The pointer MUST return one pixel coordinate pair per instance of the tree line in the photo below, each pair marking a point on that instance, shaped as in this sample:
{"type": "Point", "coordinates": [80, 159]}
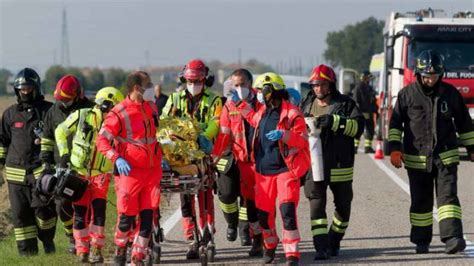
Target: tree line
{"type": "Point", "coordinates": [351, 47]}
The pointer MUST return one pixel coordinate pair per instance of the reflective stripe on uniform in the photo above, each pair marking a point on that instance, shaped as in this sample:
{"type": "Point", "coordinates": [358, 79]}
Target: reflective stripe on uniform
{"type": "Point", "coordinates": [338, 225]}
{"type": "Point", "coordinates": [319, 231]}
{"type": "Point", "coordinates": [351, 128]}
{"type": "Point", "coordinates": [341, 174]}
{"type": "Point", "coordinates": [15, 174]}
{"type": "Point", "coordinates": [335, 123]}
{"type": "Point", "coordinates": [106, 134]}
{"type": "Point", "coordinates": [467, 138]}
{"type": "Point", "coordinates": [395, 135]}
{"type": "Point", "coordinates": [126, 119]}
{"type": "Point", "coordinates": [24, 233]}
{"type": "Point", "coordinates": [229, 208]}
{"type": "Point", "coordinates": [415, 161]}
{"type": "Point", "coordinates": [243, 214]}
{"type": "Point", "coordinates": [319, 226]}
{"type": "Point", "coordinates": [421, 219]}
{"type": "Point", "coordinates": [368, 143]}
{"type": "Point", "coordinates": [449, 157]}
{"type": "Point", "coordinates": [46, 224]}
{"type": "Point", "coordinates": [323, 221]}
{"type": "Point", "coordinates": [3, 152]}
{"type": "Point", "coordinates": [449, 211]}
{"type": "Point", "coordinates": [225, 130]}
{"type": "Point", "coordinates": [221, 164]}
{"type": "Point", "coordinates": [37, 171]}
{"type": "Point", "coordinates": [47, 144]}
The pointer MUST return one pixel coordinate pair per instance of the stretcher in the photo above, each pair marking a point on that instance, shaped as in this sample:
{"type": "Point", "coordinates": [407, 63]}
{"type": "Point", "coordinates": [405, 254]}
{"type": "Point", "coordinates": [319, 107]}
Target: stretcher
{"type": "Point", "coordinates": [197, 179]}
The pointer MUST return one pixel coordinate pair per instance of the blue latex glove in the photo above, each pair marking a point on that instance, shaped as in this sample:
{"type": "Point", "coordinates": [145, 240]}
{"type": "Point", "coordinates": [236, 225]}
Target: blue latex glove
{"type": "Point", "coordinates": [122, 166]}
{"type": "Point", "coordinates": [165, 165]}
{"type": "Point", "coordinates": [235, 96]}
{"type": "Point", "coordinates": [274, 135]}
{"type": "Point", "coordinates": [205, 144]}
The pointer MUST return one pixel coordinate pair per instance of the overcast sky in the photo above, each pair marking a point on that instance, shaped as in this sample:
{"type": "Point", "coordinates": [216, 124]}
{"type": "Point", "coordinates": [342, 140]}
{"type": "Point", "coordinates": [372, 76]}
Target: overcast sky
{"type": "Point", "coordinates": [107, 33]}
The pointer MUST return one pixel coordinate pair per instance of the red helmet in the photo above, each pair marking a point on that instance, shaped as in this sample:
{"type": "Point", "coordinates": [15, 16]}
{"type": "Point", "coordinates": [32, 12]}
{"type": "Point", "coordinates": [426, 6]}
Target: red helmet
{"type": "Point", "coordinates": [195, 70]}
{"type": "Point", "coordinates": [68, 88]}
{"type": "Point", "coordinates": [322, 72]}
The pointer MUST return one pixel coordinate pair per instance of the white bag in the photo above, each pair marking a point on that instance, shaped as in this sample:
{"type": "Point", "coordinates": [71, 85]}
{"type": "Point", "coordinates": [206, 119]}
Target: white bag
{"type": "Point", "coordinates": [315, 149]}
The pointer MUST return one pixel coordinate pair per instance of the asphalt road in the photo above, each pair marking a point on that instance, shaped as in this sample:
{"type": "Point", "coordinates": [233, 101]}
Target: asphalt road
{"type": "Point", "coordinates": [378, 232]}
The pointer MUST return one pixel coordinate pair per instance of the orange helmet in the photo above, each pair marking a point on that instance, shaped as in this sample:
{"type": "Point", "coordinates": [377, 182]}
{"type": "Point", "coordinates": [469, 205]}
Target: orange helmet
{"type": "Point", "coordinates": [67, 88]}
{"type": "Point", "coordinates": [322, 72]}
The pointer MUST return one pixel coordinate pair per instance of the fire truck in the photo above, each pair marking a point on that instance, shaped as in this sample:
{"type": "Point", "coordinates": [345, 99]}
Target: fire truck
{"type": "Point", "coordinates": [406, 35]}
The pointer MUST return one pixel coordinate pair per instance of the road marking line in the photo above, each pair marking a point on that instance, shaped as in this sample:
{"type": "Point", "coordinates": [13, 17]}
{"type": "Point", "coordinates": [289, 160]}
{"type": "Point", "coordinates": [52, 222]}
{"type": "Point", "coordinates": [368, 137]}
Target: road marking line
{"type": "Point", "coordinates": [171, 221]}
{"type": "Point", "coordinates": [402, 184]}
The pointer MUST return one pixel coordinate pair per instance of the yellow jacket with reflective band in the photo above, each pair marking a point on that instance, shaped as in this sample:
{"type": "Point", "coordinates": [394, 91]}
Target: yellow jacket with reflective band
{"type": "Point", "coordinates": [83, 124]}
{"type": "Point", "coordinates": [207, 112]}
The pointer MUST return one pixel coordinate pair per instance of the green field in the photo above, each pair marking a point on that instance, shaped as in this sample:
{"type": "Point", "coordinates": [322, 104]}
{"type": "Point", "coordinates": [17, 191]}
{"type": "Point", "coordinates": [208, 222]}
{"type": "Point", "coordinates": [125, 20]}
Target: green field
{"type": "Point", "coordinates": [9, 253]}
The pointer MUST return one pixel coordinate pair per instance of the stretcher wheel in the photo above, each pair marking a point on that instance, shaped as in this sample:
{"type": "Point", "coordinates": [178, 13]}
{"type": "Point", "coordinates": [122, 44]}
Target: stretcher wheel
{"type": "Point", "coordinates": [211, 253]}
{"type": "Point", "coordinates": [156, 255]}
{"type": "Point", "coordinates": [203, 255]}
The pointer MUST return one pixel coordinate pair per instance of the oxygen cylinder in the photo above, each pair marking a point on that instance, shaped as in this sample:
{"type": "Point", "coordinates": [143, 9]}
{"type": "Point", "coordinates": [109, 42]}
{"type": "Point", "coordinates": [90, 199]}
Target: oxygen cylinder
{"type": "Point", "coordinates": [315, 149]}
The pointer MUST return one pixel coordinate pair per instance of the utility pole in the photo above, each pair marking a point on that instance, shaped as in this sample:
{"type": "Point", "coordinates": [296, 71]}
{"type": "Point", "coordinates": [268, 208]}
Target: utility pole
{"type": "Point", "coordinates": [65, 60]}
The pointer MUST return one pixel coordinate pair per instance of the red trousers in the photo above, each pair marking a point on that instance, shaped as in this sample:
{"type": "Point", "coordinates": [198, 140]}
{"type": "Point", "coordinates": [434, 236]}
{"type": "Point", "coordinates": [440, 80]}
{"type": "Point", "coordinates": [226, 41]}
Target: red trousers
{"type": "Point", "coordinates": [286, 188]}
{"type": "Point", "coordinates": [137, 192]}
{"type": "Point", "coordinates": [247, 180]}
{"type": "Point", "coordinates": [91, 232]}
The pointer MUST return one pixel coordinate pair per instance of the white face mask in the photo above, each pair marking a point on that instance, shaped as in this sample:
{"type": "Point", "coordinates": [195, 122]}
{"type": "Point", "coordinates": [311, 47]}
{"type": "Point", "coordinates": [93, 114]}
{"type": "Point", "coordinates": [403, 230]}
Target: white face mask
{"type": "Point", "coordinates": [242, 92]}
{"type": "Point", "coordinates": [149, 95]}
{"type": "Point", "coordinates": [260, 97]}
{"type": "Point", "coordinates": [194, 89]}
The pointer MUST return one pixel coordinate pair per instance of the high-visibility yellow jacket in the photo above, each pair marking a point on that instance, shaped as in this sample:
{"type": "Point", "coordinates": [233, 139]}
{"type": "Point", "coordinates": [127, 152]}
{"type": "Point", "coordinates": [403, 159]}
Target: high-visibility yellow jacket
{"type": "Point", "coordinates": [206, 112]}
{"type": "Point", "coordinates": [84, 125]}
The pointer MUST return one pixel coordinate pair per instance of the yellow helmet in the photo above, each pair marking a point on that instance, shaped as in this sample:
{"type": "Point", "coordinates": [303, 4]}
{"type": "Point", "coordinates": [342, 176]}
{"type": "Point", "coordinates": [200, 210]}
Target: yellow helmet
{"type": "Point", "coordinates": [109, 94]}
{"type": "Point", "coordinates": [269, 78]}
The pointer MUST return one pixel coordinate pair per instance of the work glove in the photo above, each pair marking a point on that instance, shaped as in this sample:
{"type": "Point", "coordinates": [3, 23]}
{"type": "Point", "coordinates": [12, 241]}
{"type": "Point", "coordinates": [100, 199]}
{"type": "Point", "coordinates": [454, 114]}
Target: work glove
{"type": "Point", "coordinates": [274, 135]}
{"type": "Point", "coordinates": [165, 165]}
{"type": "Point", "coordinates": [64, 161]}
{"type": "Point", "coordinates": [396, 158]}
{"type": "Point", "coordinates": [234, 96]}
{"type": "Point", "coordinates": [324, 121]}
{"type": "Point", "coordinates": [205, 144]}
{"type": "Point", "coordinates": [122, 166]}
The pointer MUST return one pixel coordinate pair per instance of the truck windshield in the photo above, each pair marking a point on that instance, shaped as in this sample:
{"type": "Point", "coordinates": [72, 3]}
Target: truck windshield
{"type": "Point", "coordinates": [456, 55]}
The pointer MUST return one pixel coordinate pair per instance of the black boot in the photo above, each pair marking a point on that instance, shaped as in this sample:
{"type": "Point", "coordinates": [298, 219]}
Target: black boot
{"type": "Point", "coordinates": [120, 257]}
{"type": "Point", "coordinates": [422, 248]}
{"type": "Point", "coordinates": [368, 150]}
{"type": "Point", "coordinates": [455, 245]}
{"type": "Point", "coordinates": [49, 247]}
{"type": "Point", "coordinates": [322, 254]}
{"type": "Point", "coordinates": [321, 245]}
{"type": "Point", "coordinates": [193, 251]}
{"type": "Point", "coordinates": [257, 246]}
{"type": "Point", "coordinates": [231, 233]}
{"type": "Point", "coordinates": [292, 261]}
{"type": "Point", "coordinates": [244, 233]}
{"type": "Point", "coordinates": [269, 255]}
